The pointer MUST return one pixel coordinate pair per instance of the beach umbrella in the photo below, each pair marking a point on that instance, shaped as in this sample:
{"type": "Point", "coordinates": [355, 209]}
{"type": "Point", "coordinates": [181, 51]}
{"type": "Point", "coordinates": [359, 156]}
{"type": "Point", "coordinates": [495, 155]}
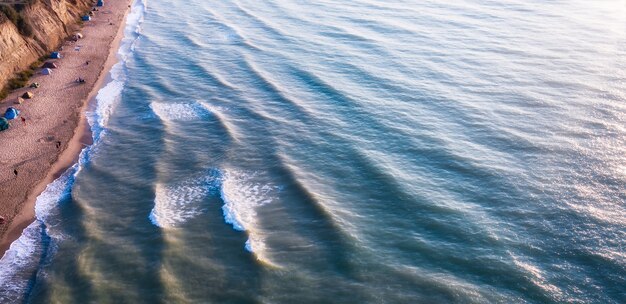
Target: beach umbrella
{"type": "Point", "coordinates": [100, 3]}
{"type": "Point", "coordinates": [11, 113]}
{"type": "Point", "coordinates": [46, 71]}
{"type": "Point", "coordinates": [55, 55]}
{"type": "Point", "coordinates": [28, 95]}
{"type": "Point", "coordinates": [86, 18]}
{"type": "Point", "coordinates": [78, 36]}
{"type": "Point", "coordinates": [19, 100]}
{"type": "Point", "coordinates": [4, 124]}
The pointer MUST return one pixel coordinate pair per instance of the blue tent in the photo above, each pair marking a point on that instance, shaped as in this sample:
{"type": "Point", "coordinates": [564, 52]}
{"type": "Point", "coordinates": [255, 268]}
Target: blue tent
{"type": "Point", "coordinates": [100, 3]}
{"type": "Point", "coordinates": [11, 113]}
{"type": "Point", "coordinates": [55, 55]}
{"type": "Point", "coordinates": [4, 124]}
{"type": "Point", "coordinates": [86, 18]}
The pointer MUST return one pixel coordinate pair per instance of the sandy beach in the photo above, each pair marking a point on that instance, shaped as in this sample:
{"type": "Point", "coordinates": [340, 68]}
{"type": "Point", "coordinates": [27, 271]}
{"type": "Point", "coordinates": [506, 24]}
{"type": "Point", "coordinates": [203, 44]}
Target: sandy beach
{"type": "Point", "coordinates": [55, 130]}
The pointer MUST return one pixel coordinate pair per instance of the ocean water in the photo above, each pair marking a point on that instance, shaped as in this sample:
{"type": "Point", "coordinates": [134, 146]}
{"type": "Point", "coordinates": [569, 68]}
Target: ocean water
{"type": "Point", "coordinates": [332, 151]}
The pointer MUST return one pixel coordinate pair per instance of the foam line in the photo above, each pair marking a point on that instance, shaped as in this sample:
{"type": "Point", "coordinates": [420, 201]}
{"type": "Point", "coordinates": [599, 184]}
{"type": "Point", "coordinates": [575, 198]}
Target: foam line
{"type": "Point", "coordinates": [22, 263]}
{"type": "Point", "coordinates": [242, 196]}
{"type": "Point", "coordinates": [176, 203]}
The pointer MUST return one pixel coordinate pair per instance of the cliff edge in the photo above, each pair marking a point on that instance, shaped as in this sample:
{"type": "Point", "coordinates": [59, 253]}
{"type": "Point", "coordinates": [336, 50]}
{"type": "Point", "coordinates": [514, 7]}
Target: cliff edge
{"type": "Point", "coordinates": [33, 29]}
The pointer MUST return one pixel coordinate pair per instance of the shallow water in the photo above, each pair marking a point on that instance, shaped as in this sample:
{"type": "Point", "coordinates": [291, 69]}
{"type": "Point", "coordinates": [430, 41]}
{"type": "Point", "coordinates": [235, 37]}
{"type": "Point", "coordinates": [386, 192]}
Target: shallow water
{"type": "Point", "coordinates": [346, 152]}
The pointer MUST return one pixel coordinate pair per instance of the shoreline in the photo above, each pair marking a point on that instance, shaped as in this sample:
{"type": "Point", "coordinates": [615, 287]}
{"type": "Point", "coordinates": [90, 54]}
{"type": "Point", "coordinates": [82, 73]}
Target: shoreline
{"type": "Point", "coordinates": [80, 139]}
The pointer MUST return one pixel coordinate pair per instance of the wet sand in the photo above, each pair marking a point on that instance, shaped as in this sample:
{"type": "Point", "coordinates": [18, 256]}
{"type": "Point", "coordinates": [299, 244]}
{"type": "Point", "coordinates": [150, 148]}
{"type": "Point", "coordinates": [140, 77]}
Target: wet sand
{"type": "Point", "coordinates": [56, 128]}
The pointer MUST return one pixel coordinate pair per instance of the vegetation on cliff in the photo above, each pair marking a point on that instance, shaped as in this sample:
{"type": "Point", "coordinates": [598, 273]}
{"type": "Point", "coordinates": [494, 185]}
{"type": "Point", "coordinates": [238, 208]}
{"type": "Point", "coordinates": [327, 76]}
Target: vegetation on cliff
{"type": "Point", "coordinates": [13, 14]}
{"type": "Point", "coordinates": [30, 30]}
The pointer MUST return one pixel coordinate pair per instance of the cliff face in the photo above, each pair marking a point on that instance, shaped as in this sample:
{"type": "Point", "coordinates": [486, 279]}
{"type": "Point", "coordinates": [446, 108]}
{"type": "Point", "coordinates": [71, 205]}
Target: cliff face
{"type": "Point", "coordinates": [51, 22]}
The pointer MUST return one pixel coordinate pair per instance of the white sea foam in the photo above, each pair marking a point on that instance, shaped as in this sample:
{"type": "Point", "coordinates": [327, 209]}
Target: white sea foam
{"type": "Point", "coordinates": [109, 95]}
{"type": "Point", "coordinates": [170, 112]}
{"type": "Point", "coordinates": [176, 203]}
{"type": "Point", "coordinates": [23, 261]}
{"type": "Point", "coordinates": [20, 263]}
{"type": "Point", "coordinates": [242, 196]}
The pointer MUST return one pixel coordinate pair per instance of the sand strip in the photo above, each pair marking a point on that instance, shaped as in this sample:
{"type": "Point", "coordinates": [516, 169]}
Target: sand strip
{"type": "Point", "coordinates": [56, 129]}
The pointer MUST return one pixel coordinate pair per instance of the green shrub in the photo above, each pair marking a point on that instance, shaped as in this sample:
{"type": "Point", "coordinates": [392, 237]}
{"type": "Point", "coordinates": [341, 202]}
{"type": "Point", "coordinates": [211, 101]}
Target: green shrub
{"type": "Point", "coordinates": [37, 64]}
{"type": "Point", "coordinates": [14, 14]}
{"type": "Point", "coordinates": [16, 83]}
{"type": "Point", "coordinates": [20, 80]}
{"type": "Point", "coordinates": [24, 27]}
{"type": "Point", "coordinates": [25, 75]}
{"type": "Point", "coordinates": [20, 7]}
{"type": "Point", "coordinates": [4, 93]}
{"type": "Point", "coordinates": [10, 12]}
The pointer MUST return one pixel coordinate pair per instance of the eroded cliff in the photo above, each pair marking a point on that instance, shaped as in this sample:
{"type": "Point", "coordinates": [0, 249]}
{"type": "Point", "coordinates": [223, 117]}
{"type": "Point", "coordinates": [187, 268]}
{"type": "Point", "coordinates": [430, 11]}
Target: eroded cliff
{"type": "Point", "coordinates": [49, 23]}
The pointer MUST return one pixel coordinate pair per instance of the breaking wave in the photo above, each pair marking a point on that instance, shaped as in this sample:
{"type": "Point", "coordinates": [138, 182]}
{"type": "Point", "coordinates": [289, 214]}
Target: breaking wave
{"type": "Point", "coordinates": [23, 262]}
{"type": "Point", "coordinates": [176, 203]}
{"type": "Point", "coordinates": [20, 264]}
{"type": "Point", "coordinates": [170, 112]}
{"type": "Point", "coordinates": [242, 196]}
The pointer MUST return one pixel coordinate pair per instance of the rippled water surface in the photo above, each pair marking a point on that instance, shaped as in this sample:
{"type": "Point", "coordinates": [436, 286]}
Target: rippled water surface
{"type": "Point", "coordinates": [361, 151]}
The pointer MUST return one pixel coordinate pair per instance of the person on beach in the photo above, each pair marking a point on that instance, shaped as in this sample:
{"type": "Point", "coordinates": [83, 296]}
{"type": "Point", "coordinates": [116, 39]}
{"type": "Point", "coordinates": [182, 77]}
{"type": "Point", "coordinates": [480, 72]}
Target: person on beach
{"type": "Point", "coordinates": [58, 144]}
{"type": "Point", "coordinates": [15, 172]}
{"type": "Point", "coordinates": [2, 220]}
{"type": "Point", "coordinates": [24, 120]}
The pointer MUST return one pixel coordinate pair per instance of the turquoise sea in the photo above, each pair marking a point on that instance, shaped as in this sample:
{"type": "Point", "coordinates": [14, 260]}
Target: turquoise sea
{"type": "Point", "coordinates": [366, 151]}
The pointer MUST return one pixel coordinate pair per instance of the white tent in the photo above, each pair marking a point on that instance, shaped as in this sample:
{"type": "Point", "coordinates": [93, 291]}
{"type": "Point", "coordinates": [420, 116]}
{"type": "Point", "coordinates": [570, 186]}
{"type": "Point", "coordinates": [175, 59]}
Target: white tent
{"type": "Point", "coordinates": [46, 71]}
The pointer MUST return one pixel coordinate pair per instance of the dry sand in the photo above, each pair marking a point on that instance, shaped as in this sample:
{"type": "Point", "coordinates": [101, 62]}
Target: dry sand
{"type": "Point", "coordinates": [55, 114]}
